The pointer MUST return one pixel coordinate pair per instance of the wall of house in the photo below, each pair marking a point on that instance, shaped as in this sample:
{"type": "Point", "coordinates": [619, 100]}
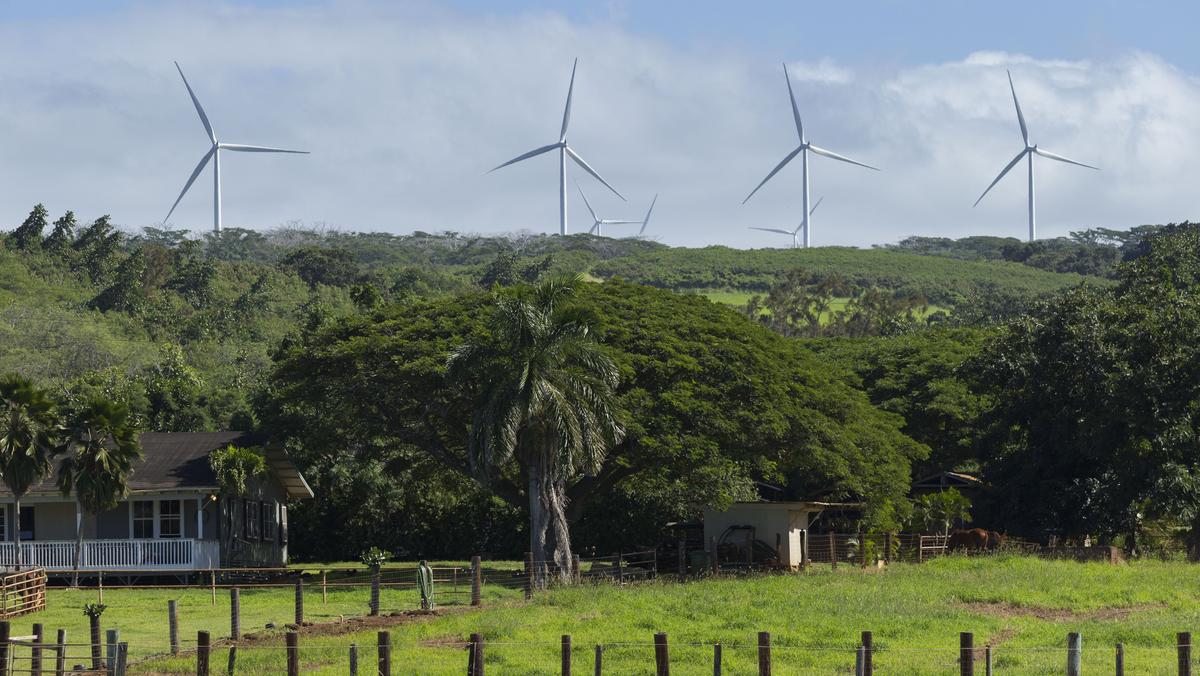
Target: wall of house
{"type": "Point", "coordinates": [111, 525]}
{"type": "Point", "coordinates": [241, 549]}
{"type": "Point", "coordinates": [771, 522]}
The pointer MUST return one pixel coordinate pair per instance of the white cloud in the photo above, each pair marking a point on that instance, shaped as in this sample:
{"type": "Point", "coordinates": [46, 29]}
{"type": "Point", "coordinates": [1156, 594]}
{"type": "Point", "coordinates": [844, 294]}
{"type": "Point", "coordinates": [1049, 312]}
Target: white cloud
{"type": "Point", "coordinates": [404, 109]}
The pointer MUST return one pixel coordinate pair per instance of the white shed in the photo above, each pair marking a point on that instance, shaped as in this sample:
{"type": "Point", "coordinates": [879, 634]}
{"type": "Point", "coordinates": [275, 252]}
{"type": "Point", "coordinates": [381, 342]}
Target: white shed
{"type": "Point", "coordinates": [781, 525]}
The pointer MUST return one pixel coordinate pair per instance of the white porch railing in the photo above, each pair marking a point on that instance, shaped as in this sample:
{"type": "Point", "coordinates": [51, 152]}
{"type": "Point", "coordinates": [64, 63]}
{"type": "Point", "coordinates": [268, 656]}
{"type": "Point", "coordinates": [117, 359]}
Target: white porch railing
{"type": "Point", "coordinates": [159, 554]}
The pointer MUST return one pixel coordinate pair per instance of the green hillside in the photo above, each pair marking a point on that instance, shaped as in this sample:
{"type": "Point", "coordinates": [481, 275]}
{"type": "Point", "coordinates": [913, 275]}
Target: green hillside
{"type": "Point", "coordinates": [942, 280]}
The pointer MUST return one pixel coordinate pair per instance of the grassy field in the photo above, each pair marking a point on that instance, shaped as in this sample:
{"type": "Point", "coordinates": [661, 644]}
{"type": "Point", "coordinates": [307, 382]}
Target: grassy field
{"type": "Point", "coordinates": [1025, 607]}
{"type": "Point", "coordinates": [738, 299]}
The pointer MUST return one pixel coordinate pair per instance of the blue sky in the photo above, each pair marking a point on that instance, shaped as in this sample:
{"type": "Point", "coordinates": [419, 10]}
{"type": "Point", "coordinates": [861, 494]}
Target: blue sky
{"type": "Point", "coordinates": [405, 105]}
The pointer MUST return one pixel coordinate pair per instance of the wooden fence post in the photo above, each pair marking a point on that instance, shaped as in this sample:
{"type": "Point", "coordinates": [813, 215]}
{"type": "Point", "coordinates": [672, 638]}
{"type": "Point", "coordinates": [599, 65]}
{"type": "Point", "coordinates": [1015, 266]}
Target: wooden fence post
{"type": "Point", "coordinates": [1074, 648]}
{"type": "Point", "coordinates": [231, 665]}
{"type": "Point", "coordinates": [764, 653]}
{"type": "Point", "coordinates": [123, 658]}
{"type": "Point", "coordinates": [1120, 657]}
{"type": "Point", "coordinates": [100, 587]}
{"type": "Point", "coordinates": [858, 660]}
{"type": "Point", "coordinates": [173, 625]}
{"type": "Point", "coordinates": [966, 654]}
{"type": "Point", "coordinates": [833, 550]}
{"type": "Point", "coordinates": [212, 584]}
{"type": "Point", "coordinates": [202, 648]}
{"type": "Point", "coordinates": [235, 613]}
{"type": "Point", "coordinates": [566, 655]}
{"type": "Point", "coordinates": [528, 575]}
{"type": "Point", "coordinates": [111, 638]}
{"type": "Point", "coordinates": [987, 660]}
{"type": "Point", "coordinates": [299, 603]}
{"type": "Point", "coordinates": [716, 659]}
{"type": "Point", "coordinates": [476, 581]}
{"type": "Point", "coordinates": [1184, 643]}
{"type": "Point", "coordinates": [662, 660]}
{"type": "Point", "coordinates": [868, 661]}
{"type": "Point", "coordinates": [35, 656]}
{"type": "Point", "coordinates": [5, 628]}
{"type": "Point", "coordinates": [60, 652]}
{"type": "Point", "coordinates": [384, 640]}
{"type": "Point", "coordinates": [599, 661]}
{"type": "Point", "coordinates": [353, 659]}
{"type": "Point", "coordinates": [682, 558]}
{"type": "Point", "coordinates": [475, 656]}
{"type": "Point", "coordinates": [293, 653]}
{"type": "Point", "coordinates": [324, 589]}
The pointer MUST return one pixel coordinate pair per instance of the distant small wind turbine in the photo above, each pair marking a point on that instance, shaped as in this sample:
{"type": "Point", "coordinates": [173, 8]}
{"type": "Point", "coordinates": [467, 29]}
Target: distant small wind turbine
{"type": "Point", "coordinates": [802, 150]}
{"type": "Point", "coordinates": [214, 154]}
{"type": "Point", "coordinates": [564, 151]}
{"type": "Point", "coordinates": [794, 233]}
{"type": "Point", "coordinates": [1030, 151]}
{"type": "Point", "coordinates": [599, 223]}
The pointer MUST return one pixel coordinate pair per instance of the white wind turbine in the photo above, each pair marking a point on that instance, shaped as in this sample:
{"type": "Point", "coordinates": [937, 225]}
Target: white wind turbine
{"type": "Point", "coordinates": [794, 233]}
{"type": "Point", "coordinates": [646, 220]}
{"type": "Point", "coordinates": [599, 223]}
{"type": "Point", "coordinates": [214, 155]}
{"type": "Point", "coordinates": [802, 150]}
{"type": "Point", "coordinates": [564, 151]}
{"type": "Point", "coordinates": [1030, 151]}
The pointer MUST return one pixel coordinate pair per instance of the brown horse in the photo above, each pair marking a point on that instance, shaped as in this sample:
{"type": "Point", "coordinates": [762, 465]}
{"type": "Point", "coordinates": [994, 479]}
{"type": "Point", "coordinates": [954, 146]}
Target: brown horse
{"type": "Point", "coordinates": [974, 540]}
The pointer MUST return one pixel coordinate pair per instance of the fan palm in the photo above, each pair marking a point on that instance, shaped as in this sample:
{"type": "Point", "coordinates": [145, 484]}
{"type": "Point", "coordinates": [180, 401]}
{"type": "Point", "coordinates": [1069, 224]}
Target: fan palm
{"type": "Point", "coordinates": [544, 400]}
{"type": "Point", "coordinates": [103, 446]}
{"type": "Point", "coordinates": [29, 440]}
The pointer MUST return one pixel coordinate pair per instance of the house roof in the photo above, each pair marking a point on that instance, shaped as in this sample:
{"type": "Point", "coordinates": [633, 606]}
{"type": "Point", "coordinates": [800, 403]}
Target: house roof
{"type": "Point", "coordinates": [179, 460]}
{"type": "Point", "coordinates": [948, 479]}
{"type": "Point", "coordinates": [799, 505]}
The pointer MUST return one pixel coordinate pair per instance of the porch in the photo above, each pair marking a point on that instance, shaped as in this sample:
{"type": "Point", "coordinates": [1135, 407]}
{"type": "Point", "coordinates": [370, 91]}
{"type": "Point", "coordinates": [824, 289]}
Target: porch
{"type": "Point", "coordinates": [133, 554]}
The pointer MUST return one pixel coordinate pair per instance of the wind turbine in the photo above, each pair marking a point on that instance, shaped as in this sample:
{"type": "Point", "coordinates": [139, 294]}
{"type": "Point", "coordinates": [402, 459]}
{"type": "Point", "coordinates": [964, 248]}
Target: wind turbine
{"type": "Point", "coordinates": [802, 150]}
{"type": "Point", "coordinates": [646, 220]}
{"type": "Point", "coordinates": [1030, 151]}
{"type": "Point", "coordinates": [564, 151]}
{"type": "Point", "coordinates": [214, 155]}
{"type": "Point", "coordinates": [599, 223]}
{"type": "Point", "coordinates": [794, 233]}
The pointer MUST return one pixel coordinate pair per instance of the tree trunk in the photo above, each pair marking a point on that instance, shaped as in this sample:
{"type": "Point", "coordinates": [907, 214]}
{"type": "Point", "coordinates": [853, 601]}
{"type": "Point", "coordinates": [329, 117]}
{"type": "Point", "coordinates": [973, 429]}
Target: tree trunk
{"type": "Point", "coordinates": [559, 529]}
{"type": "Point", "coordinates": [17, 530]}
{"type": "Point", "coordinates": [78, 553]}
{"type": "Point", "coordinates": [538, 521]}
{"type": "Point", "coordinates": [94, 622]}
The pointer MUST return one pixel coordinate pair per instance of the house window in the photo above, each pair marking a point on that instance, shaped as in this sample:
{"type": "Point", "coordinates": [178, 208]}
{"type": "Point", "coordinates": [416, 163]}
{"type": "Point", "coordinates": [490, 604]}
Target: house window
{"type": "Point", "coordinates": [170, 519]}
{"type": "Point", "coordinates": [252, 516]}
{"type": "Point", "coordinates": [3, 524]}
{"type": "Point", "coordinates": [143, 519]}
{"type": "Point", "coordinates": [26, 523]}
{"type": "Point", "coordinates": [269, 521]}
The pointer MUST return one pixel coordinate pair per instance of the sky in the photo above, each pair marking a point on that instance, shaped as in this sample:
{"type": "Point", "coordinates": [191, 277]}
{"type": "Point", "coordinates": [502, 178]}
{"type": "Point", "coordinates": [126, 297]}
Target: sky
{"type": "Point", "coordinates": [405, 106]}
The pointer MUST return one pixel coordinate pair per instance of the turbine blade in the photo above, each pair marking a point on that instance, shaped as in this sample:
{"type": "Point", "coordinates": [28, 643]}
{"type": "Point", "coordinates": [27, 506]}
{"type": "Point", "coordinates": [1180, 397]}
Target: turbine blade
{"type": "Point", "coordinates": [782, 232]}
{"type": "Point", "coordinates": [562, 136]}
{"type": "Point", "coordinates": [795, 108]}
{"type": "Point", "coordinates": [612, 222]}
{"type": "Point", "coordinates": [814, 208]}
{"type": "Point", "coordinates": [1007, 168]}
{"type": "Point", "coordinates": [531, 153]}
{"type": "Point", "coordinates": [241, 148]}
{"type": "Point", "coordinates": [586, 202]}
{"type": "Point", "coordinates": [212, 136]}
{"type": "Point", "coordinates": [191, 179]}
{"type": "Point", "coordinates": [832, 155]}
{"type": "Point", "coordinates": [1020, 115]}
{"type": "Point", "coordinates": [647, 218]}
{"type": "Point", "coordinates": [579, 160]}
{"type": "Point", "coordinates": [774, 171]}
{"type": "Point", "coordinates": [1053, 156]}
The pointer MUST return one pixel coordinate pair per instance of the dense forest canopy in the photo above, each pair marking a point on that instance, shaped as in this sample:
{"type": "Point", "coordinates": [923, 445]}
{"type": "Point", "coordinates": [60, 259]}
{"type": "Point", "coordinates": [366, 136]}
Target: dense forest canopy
{"type": "Point", "coordinates": [1063, 371]}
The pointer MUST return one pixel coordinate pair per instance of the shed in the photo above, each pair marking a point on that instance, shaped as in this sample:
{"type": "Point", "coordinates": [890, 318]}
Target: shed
{"type": "Point", "coordinates": [778, 525]}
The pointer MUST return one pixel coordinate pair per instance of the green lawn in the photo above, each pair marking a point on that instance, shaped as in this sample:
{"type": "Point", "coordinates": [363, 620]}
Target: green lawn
{"type": "Point", "coordinates": [738, 299]}
{"type": "Point", "coordinates": [1025, 606]}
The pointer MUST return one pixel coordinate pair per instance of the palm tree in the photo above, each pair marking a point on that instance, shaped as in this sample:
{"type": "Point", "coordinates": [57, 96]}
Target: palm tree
{"type": "Point", "coordinates": [29, 440]}
{"type": "Point", "coordinates": [544, 399]}
{"type": "Point", "coordinates": [103, 446]}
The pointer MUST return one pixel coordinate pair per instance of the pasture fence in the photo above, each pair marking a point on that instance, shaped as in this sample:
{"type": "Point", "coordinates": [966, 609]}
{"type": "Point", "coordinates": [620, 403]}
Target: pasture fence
{"type": "Point", "coordinates": [22, 592]}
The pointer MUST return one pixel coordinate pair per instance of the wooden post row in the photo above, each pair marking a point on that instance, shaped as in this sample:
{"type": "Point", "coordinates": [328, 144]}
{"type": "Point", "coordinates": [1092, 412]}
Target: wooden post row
{"type": "Point", "coordinates": [868, 660]}
{"type": "Point", "coordinates": [1120, 658]}
{"type": "Point", "coordinates": [60, 652]}
{"type": "Point", "coordinates": [35, 657]}
{"type": "Point", "coordinates": [475, 656]}
{"type": "Point", "coordinates": [5, 630]}
{"type": "Point", "coordinates": [566, 655]}
{"type": "Point", "coordinates": [662, 660]}
{"type": "Point", "coordinates": [385, 653]}
{"type": "Point", "coordinates": [299, 603]}
{"type": "Point", "coordinates": [476, 581]}
{"type": "Point", "coordinates": [966, 654]}
{"type": "Point", "coordinates": [235, 613]}
{"type": "Point", "coordinates": [353, 659]}
{"type": "Point", "coordinates": [528, 575]}
{"type": "Point", "coordinates": [203, 645]}
{"type": "Point", "coordinates": [173, 625]}
{"type": "Point", "coordinates": [1074, 653]}
{"type": "Point", "coordinates": [716, 659]}
{"type": "Point", "coordinates": [1184, 643]}
{"type": "Point", "coordinates": [599, 662]}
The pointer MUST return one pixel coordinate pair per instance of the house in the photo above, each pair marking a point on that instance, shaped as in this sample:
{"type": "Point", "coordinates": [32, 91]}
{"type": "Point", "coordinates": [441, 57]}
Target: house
{"type": "Point", "coordinates": [779, 526]}
{"type": "Point", "coordinates": [174, 519]}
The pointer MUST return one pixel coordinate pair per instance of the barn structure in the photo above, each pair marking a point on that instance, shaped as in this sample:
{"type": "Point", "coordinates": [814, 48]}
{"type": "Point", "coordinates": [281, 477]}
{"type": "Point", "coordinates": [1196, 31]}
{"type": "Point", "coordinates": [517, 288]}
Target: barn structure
{"type": "Point", "coordinates": [780, 528]}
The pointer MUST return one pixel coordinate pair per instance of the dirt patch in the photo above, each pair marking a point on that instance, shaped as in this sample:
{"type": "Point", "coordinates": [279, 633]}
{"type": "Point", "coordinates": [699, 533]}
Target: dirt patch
{"type": "Point", "coordinates": [1003, 609]}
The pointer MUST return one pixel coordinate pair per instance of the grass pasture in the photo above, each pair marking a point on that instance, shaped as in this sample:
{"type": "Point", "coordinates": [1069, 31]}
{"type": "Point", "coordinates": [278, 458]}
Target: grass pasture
{"type": "Point", "coordinates": [1024, 606]}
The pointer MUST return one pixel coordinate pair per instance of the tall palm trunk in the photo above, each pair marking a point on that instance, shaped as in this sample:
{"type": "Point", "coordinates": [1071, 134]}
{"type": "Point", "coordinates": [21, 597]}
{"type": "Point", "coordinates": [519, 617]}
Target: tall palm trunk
{"type": "Point", "coordinates": [538, 521]}
{"type": "Point", "coordinates": [17, 530]}
{"type": "Point", "coordinates": [78, 552]}
{"type": "Point", "coordinates": [559, 530]}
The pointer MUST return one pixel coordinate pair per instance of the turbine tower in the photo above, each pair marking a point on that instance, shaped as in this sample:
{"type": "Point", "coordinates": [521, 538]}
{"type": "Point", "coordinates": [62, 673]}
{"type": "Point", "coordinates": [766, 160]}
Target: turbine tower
{"type": "Point", "coordinates": [564, 151]}
{"type": "Point", "coordinates": [802, 150]}
{"type": "Point", "coordinates": [794, 233]}
{"type": "Point", "coordinates": [214, 155]}
{"type": "Point", "coordinates": [599, 223]}
{"type": "Point", "coordinates": [1029, 151]}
